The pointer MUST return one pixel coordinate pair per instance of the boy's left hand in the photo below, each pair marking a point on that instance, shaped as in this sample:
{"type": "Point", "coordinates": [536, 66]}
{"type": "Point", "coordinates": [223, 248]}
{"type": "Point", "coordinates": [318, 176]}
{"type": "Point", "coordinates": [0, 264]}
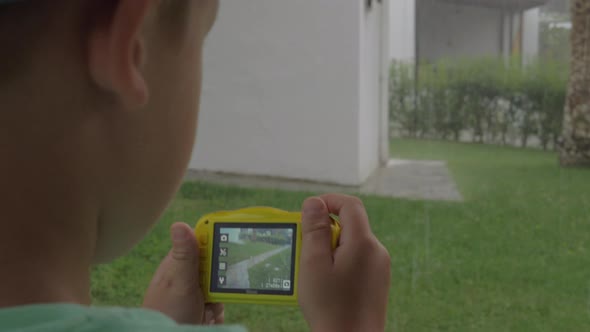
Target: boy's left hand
{"type": "Point", "coordinates": [175, 289]}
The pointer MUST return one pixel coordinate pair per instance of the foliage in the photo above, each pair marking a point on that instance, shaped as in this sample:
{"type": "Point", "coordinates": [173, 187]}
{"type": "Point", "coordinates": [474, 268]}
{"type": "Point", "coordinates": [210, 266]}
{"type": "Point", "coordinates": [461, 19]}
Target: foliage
{"type": "Point", "coordinates": [270, 239]}
{"type": "Point", "coordinates": [489, 99]}
{"type": "Point", "coordinates": [555, 41]}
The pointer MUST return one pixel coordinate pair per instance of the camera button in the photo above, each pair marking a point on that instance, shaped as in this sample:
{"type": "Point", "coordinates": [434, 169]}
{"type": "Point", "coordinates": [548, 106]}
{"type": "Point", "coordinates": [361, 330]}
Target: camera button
{"type": "Point", "coordinates": [202, 252]}
{"type": "Point", "coordinates": [204, 239]}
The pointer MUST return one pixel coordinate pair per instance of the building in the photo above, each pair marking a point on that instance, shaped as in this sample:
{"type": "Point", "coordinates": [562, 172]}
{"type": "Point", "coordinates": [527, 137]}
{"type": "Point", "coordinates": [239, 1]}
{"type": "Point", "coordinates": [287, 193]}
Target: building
{"type": "Point", "coordinates": [557, 6]}
{"type": "Point", "coordinates": [428, 30]}
{"type": "Point", "coordinates": [296, 89]}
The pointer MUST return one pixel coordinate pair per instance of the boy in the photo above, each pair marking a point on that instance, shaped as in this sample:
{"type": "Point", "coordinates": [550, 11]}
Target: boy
{"type": "Point", "coordinates": [98, 112]}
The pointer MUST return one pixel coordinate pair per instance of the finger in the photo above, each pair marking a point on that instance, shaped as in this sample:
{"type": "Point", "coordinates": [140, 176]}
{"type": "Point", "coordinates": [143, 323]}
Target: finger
{"type": "Point", "coordinates": [316, 233]}
{"type": "Point", "coordinates": [215, 308]}
{"type": "Point", "coordinates": [219, 319]}
{"type": "Point", "coordinates": [181, 251]}
{"type": "Point", "coordinates": [184, 259]}
{"type": "Point", "coordinates": [175, 290]}
{"type": "Point", "coordinates": [184, 244]}
{"type": "Point", "coordinates": [215, 313]}
{"type": "Point", "coordinates": [352, 214]}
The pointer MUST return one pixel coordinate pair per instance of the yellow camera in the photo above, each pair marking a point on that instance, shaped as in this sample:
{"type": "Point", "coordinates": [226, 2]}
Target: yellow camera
{"type": "Point", "coordinates": [252, 255]}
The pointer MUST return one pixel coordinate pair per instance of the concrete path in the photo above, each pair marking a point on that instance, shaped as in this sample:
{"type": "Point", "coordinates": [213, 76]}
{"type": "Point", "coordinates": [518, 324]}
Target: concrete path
{"type": "Point", "coordinates": [427, 180]}
{"type": "Point", "coordinates": [237, 274]}
{"type": "Point", "coordinates": [422, 180]}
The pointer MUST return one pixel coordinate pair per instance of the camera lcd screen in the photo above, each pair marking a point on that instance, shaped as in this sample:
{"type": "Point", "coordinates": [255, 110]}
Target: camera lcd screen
{"type": "Point", "coordinates": [253, 258]}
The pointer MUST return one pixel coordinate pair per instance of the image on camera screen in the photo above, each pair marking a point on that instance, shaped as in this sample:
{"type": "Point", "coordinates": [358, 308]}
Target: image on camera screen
{"type": "Point", "coordinates": [255, 259]}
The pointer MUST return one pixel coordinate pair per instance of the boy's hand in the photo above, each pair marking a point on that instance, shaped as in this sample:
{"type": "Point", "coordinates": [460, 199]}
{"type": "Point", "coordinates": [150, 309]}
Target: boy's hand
{"type": "Point", "coordinates": [346, 289]}
{"type": "Point", "coordinates": [175, 290]}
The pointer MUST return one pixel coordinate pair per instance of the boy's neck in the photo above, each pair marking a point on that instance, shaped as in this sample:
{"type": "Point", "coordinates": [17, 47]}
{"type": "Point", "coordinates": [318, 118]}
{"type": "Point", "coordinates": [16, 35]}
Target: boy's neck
{"type": "Point", "coordinates": [38, 284]}
{"type": "Point", "coordinates": [48, 236]}
{"type": "Point", "coordinates": [37, 268]}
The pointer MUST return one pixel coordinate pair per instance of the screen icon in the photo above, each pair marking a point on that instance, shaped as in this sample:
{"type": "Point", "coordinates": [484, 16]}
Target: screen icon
{"type": "Point", "coordinates": [222, 266]}
{"type": "Point", "coordinates": [224, 238]}
{"type": "Point", "coordinates": [222, 281]}
{"type": "Point", "coordinates": [287, 284]}
{"type": "Point", "coordinates": [223, 252]}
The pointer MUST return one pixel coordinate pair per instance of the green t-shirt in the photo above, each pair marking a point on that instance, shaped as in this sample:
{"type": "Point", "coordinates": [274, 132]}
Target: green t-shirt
{"type": "Point", "coordinates": [76, 318]}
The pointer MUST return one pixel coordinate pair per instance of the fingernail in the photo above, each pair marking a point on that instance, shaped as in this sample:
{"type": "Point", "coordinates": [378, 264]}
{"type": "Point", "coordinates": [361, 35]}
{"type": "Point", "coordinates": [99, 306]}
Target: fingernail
{"type": "Point", "coordinates": [179, 234]}
{"type": "Point", "coordinates": [313, 207]}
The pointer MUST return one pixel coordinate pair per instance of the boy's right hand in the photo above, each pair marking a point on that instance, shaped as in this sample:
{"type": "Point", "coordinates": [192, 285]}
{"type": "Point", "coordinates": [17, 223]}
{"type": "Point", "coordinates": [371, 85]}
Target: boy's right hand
{"type": "Point", "coordinates": [346, 289]}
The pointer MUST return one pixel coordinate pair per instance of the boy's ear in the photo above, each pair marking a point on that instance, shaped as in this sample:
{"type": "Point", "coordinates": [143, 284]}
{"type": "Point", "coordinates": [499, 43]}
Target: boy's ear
{"type": "Point", "coordinates": [117, 51]}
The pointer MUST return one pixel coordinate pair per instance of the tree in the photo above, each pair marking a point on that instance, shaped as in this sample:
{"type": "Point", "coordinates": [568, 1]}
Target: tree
{"type": "Point", "coordinates": [575, 142]}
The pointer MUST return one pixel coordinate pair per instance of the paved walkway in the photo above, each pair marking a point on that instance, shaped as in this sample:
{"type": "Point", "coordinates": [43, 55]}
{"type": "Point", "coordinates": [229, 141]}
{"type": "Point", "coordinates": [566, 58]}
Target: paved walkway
{"type": "Point", "coordinates": [237, 274]}
{"type": "Point", "coordinates": [423, 180]}
{"type": "Point", "coordinates": [426, 180]}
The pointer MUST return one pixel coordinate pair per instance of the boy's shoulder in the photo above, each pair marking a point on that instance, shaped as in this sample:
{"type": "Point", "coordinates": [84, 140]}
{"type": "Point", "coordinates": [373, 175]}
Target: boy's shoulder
{"type": "Point", "coordinates": [71, 317]}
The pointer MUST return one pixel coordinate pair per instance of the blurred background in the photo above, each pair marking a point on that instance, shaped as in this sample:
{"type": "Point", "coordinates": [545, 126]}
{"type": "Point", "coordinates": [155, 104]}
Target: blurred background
{"type": "Point", "coordinates": [463, 124]}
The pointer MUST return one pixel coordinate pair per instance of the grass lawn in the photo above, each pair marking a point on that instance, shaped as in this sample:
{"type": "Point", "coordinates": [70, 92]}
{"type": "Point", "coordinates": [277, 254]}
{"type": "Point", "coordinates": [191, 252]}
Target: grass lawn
{"type": "Point", "coordinates": [240, 252]}
{"type": "Point", "coordinates": [277, 266]}
{"type": "Point", "coordinates": [515, 256]}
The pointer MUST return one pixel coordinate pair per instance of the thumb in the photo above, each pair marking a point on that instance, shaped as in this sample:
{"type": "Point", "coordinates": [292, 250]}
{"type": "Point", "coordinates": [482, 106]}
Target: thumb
{"type": "Point", "coordinates": [175, 290]}
{"type": "Point", "coordinates": [184, 245]}
{"type": "Point", "coordinates": [182, 268]}
{"type": "Point", "coordinates": [316, 232]}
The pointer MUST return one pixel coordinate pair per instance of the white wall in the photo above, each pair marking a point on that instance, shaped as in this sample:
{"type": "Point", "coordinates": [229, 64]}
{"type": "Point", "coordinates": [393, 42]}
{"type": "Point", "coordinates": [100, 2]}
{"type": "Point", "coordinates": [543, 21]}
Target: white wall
{"type": "Point", "coordinates": [281, 92]}
{"type": "Point", "coordinates": [507, 35]}
{"type": "Point", "coordinates": [402, 29]}
{"type": "Point", "coordinates": [384, 119]}
{"type": "Point", "coordinates": [370, 87]}
{"type": "Point", "coordinates": [531, 34]}
{"type": "Point", "coordinates": [450, 30]}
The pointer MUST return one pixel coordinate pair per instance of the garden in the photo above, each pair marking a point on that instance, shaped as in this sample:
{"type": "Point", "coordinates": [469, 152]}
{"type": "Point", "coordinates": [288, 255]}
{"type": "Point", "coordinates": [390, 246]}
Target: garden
{"type": "Point", "coordinates": [515, 256]}
{"type": "Point", "coordinates": [483, 100]}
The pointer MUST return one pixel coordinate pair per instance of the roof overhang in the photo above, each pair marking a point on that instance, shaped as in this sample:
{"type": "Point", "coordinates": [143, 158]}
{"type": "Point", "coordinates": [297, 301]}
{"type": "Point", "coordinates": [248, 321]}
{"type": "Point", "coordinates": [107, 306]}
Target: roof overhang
{"type": "Point", "coordinates": [501, 4]}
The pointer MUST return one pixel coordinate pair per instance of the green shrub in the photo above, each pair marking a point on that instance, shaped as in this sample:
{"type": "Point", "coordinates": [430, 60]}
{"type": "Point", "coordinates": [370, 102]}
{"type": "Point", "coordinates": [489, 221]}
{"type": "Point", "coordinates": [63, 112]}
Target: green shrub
{"type": "Point", "coordinates": [488, 98]}
{"type": "Point", "coordinates": [402, 105]}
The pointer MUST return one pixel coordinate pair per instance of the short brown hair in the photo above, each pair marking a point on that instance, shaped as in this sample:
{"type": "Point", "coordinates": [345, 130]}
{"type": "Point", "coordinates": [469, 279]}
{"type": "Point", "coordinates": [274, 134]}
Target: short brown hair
{"type": "Point", "coordinates": [23, 22]}
{"type": "Point", "coordinates": [21, 26]}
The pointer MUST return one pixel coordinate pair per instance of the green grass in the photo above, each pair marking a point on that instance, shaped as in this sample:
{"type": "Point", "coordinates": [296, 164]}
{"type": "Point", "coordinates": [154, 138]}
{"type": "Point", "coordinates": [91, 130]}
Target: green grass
{"type": "Point", "coordinates": [240, 252]}
{"type": "Point", "coordinates": [260, 273]}
{"type": "Point", "coordinates": [515, 256]}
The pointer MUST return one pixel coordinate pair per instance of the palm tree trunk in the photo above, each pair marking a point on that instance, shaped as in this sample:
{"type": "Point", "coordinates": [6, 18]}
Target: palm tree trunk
{"type": "Point", "coordinates": [575, 143]}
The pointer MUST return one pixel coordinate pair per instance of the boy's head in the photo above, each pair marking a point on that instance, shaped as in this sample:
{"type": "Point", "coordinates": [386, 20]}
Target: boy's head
{"type": "Point", "coordinates": [98, 112]}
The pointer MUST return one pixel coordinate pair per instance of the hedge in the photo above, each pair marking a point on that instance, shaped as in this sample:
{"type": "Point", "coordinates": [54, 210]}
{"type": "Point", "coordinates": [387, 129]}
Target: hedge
{"type": "Point", "coordinates": [490, 100]}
